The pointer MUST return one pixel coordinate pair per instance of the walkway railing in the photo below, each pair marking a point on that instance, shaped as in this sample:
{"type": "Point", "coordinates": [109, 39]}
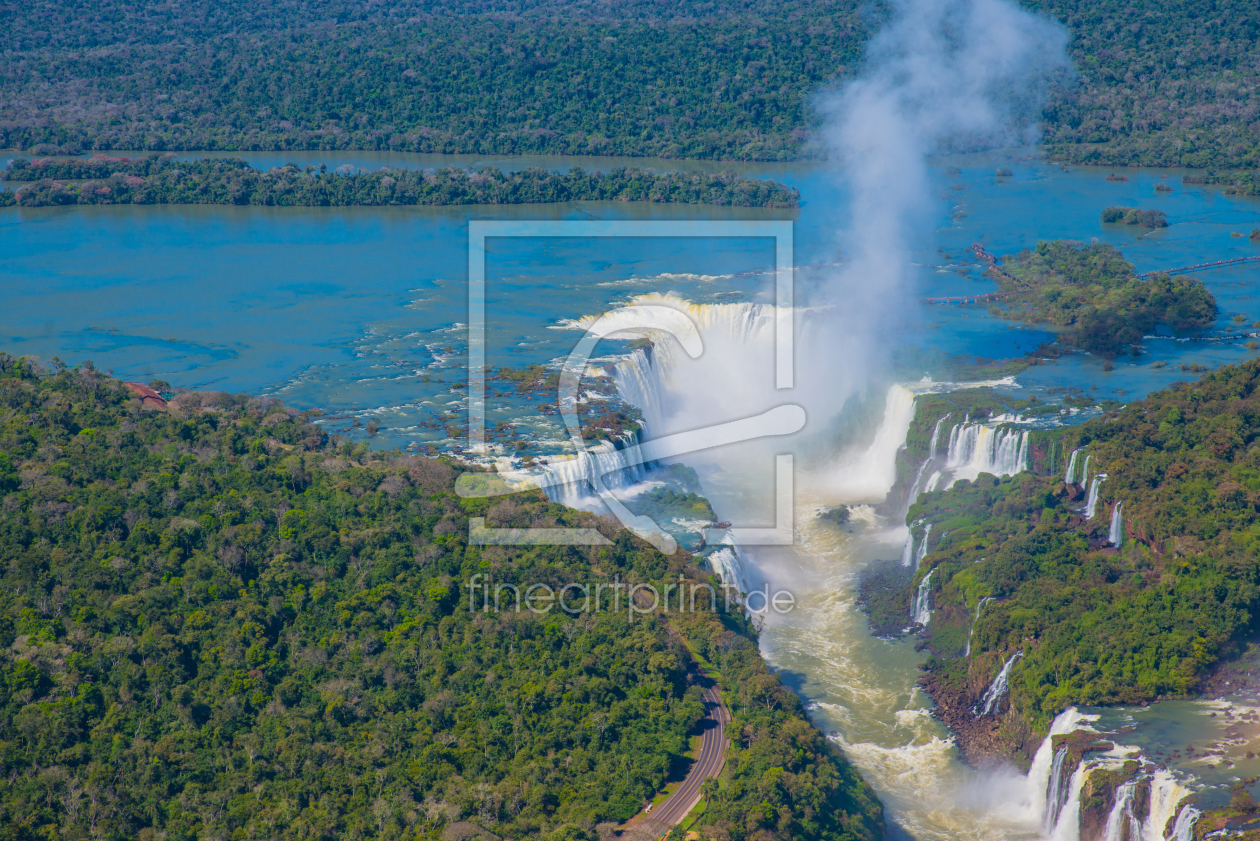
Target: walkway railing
{"type": "Point", "coordinates": [1198, 267]}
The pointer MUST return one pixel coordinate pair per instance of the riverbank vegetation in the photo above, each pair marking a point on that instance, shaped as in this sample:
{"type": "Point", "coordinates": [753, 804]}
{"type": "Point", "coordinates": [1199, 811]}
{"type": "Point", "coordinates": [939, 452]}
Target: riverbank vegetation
{"type": "Point", "coordinates": [1092, 296]}
{"type": "Point", "coordinates": [166, 180]}
{"type": "Point", "coordinates": [1095, 624]}
{"type": "Point", "coordinates": [1239, 183]}
{"type": "Point", "coordinates": [1166, 86]}
{"type": "Point", "coordinates": [218, 622]}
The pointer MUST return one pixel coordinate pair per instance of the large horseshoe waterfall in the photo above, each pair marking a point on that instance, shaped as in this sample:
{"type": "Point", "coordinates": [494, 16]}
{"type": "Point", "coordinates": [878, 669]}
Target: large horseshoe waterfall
{"type": "Point", "coordinates": [863, 689]}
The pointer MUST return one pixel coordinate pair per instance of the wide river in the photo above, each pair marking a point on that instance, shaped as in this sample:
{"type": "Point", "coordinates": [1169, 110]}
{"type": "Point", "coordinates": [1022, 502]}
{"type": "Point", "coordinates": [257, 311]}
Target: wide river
{"type": "Point", "coordinates": [362, 312]}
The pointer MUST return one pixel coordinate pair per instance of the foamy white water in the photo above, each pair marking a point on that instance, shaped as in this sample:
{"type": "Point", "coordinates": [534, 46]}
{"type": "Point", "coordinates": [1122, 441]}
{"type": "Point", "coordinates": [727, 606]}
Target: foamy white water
{"type": "Point", "coordinates": [861, 689]}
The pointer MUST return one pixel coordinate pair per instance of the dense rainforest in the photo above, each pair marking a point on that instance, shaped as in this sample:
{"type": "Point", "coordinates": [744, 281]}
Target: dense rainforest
{"type": "Point", "coordinates": [218, 622]}
{"type": "Point", "coordinates": [1156, 84]}
{"type": "Point", "coordinates": [166, 180]}
{"type": "Point", "coordinates": [1093, 623]}
{"type": "Point", "coordinates": [1091, 294]}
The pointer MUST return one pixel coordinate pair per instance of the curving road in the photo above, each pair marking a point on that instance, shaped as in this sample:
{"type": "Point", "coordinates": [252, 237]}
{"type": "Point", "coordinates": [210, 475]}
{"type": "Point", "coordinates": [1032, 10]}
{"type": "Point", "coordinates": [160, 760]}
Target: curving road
{"type": "Point", "coordinates": [708, 764]}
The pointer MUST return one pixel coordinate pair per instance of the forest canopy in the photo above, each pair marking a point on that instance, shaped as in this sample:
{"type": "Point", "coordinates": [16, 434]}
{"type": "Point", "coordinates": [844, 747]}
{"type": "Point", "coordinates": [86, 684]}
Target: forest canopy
{"type": "Point", "coordinates": [216, 621]}
{"type": "Point", "coordinates": [1167, 84]}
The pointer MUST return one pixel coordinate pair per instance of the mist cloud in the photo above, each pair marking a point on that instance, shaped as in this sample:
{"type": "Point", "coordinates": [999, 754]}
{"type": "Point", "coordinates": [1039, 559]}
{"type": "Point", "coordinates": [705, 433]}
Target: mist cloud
{"type": "Point", "coordinates": [941, 75]}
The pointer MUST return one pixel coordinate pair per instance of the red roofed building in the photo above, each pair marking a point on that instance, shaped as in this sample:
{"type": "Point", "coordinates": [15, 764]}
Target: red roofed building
{"type": "Point", "coordinates": [147, 396]}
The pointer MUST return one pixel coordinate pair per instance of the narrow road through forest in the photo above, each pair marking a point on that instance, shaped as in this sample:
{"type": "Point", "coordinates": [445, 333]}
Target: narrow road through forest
{"type": "Point", "coordinates": [708, 764]}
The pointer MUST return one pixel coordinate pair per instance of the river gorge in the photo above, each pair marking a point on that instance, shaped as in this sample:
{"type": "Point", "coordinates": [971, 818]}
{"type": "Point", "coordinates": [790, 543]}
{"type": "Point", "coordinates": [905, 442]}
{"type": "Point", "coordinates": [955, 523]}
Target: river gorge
{"type": "Point", "coordinates": [362, 313]}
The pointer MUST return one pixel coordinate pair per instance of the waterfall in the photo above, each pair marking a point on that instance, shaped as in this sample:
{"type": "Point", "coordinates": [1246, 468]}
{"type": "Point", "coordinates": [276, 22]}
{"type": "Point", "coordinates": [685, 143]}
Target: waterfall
{"type": "Point", "coordinates": [923, 547]}
{"type": "Point", "coordinates": [914, 488]}
{"type": "Point", "coordinates": [1121, 817]}
{"type": "Point", "coordinates": [1068, 826]}
{"type": "Point", "coordinates": [1070, 476]}
{"type": "Point", "coordinates": [638, 383]}
{"type": "Point", "coordinates": [727, 562]}
{"type": "Point", "coordinates": [569, 479]}
{"type": "Point", "coordinates": [1183, 828]}
{"type": "Point", "coordinates": [867, 475]}
{"type": "Point", "coordinates": [922, 611]}
{"type": "Point", "coordinates": [907, 553]}
{"type": "Point", "coordinates": [998, 688]}
{"type": "Point", "coordinates": [1166, 796]}
{"type": "Point", "coordinates": [936, 435]}
{"type": "Point", "coordinates": [1116, 535]}
{"type": "Point", "coordinates": [1084, 478]}
{"type": "Point", "coordinates": [1057, 795]}
{"type": "Point", "coordinates": [979, 606]}
{"type": "Point", "coordinates": [1047, 768]}
{"type": "Point", "coordinates": [977, 448]}
{"type": "Point", "coordinates": [933, 482]}
{"type": "Point", "coordinates": [1091, 502]}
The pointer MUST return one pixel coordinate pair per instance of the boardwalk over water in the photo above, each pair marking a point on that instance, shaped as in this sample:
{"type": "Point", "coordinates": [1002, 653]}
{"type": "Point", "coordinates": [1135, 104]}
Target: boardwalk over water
{"type": "Point", "coordinates": [965, 299]}
{"type": "Point", "coordinates": [1198, 267]}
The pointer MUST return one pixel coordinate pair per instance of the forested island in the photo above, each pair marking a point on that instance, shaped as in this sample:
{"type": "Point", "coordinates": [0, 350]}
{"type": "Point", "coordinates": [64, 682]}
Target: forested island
{"type": "Point", "coordinates": [1143, 217]}
{"type": "Point", "coordinates": [1156, 85]}
{"type": "Point", "coordinates": [219, 622]}
{"type": "Point", "coordinates": [166, 180]}
{"type": "Point", "coordinates": [1091, 294]}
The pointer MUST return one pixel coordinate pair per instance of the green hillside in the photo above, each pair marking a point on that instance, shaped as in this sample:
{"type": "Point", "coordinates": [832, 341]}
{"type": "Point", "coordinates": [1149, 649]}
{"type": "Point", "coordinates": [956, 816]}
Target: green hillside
{"type": "Point", "coordinates": [1097, 625]}
{"type": "Point", "coordinates": [218, 623]}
